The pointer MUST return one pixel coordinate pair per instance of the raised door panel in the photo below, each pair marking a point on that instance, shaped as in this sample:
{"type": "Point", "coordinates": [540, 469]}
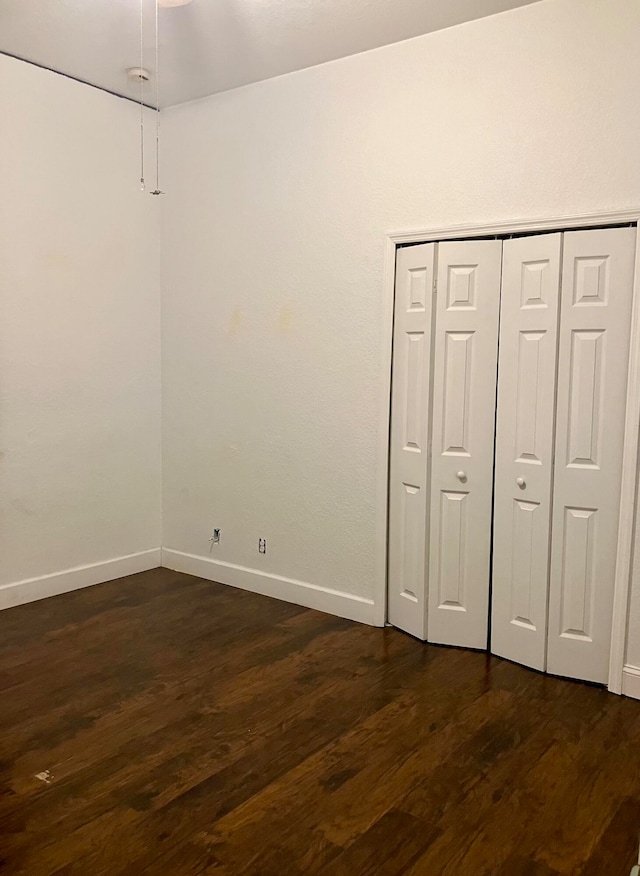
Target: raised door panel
{"type": "Point", "coordinates": [464, 381]}
{"type": "Point", "coordinates": [597, 285]}
{"type": "Point", "coordinates": [524, 447]}
{"type": "Point", "coordinates": [409, 456]}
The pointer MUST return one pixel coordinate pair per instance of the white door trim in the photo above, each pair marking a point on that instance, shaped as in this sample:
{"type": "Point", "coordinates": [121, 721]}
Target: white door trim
{"type": "Point", "coordinates": [624, 554]}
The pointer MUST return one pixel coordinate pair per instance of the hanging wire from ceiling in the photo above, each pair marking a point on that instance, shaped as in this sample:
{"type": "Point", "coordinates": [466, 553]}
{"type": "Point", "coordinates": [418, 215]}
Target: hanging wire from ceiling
{"type": "Point", "coordinates": [157, 188]}
{"type": "Point", "coordinates": [142, 184]}
{"type": "Point", "coordinates": [141, 75]}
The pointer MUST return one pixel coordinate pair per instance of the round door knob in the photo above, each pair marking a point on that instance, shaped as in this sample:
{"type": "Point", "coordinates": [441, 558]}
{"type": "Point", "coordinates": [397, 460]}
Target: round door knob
{"type": "Point", "coordinates": [461, 476]}
{"type": "Point", "coordinates": [521, 482]}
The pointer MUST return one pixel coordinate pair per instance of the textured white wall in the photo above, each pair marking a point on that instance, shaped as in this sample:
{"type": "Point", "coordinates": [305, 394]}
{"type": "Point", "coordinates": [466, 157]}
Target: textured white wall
{"type": "Point", "coordinates": [79, 329]}
{"type": "Point", "coordinates": [280, 195]}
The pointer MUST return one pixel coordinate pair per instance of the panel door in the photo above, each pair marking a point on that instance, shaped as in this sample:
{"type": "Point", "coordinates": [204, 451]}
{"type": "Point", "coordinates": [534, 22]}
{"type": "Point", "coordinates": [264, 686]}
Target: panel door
{"type": "Point", "coordinates": [464, 394]}
{"type": "Point", "coordinates": [409, 455]}
{"type": "Point", "coordinates": [524, 447]}
{"type": "Point", "coordinates": [597, 284]}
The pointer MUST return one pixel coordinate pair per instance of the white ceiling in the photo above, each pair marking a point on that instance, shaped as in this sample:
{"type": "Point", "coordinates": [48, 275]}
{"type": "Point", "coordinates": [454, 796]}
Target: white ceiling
{"type": "Point", "coordinates": [214, 45]}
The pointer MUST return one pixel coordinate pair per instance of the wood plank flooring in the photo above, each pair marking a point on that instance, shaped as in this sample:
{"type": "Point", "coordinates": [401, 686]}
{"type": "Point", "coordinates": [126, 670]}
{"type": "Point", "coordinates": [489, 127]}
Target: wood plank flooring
{"type": "Point", "coordinates": [163, 724]}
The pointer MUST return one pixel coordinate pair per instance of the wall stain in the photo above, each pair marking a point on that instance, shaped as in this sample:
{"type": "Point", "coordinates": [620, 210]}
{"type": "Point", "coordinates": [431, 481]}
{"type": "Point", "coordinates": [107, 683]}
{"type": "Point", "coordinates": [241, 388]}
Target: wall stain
{"type": "Point", "coordinates": [23, 508]}
{"type": "Point", "coordinates": [235, 325]}
{"type": "Point", "coordinates": [285, 320]}
{"type": "Point", "coordinates": [61, 260]}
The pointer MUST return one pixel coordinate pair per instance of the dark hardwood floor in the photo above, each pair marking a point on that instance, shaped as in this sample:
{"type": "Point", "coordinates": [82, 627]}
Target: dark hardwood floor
{"type": "Point", "coordinates": [163, 724]}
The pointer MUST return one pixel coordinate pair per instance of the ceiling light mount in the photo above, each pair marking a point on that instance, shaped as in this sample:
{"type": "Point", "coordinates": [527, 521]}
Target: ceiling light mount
{"type": "Point", "coordinates": [138, 74]}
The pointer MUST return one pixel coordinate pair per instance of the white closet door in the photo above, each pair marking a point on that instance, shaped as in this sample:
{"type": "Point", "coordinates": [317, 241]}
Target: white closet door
{"type": "Point", "coordinates": [464, 393]}
{"type": "Point", "coordinates": [597, 284]}
{"type": "Point", "coordinates": [524, 447]}
{"type": "Point", "coordinates": [408, 476]}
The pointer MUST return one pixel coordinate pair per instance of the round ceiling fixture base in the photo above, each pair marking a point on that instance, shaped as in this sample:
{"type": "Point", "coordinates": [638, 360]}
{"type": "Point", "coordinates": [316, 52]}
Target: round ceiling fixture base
{"type": "Point", "coordinates": [138, 74]}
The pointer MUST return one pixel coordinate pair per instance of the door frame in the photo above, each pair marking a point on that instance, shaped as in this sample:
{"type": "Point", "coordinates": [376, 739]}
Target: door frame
{"type": "Point", "coordinates": [624, 551]}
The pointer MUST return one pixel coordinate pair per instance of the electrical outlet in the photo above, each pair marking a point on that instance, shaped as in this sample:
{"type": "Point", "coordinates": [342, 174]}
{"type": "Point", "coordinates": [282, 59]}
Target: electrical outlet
{"type": "Point", "coordinates": [215, 538]}
{"type": "Point", "coordinates": [262, 545]}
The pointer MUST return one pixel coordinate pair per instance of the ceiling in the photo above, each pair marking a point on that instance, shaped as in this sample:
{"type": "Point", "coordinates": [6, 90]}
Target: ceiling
{"type": "Point", "coordinates": [214, 45]}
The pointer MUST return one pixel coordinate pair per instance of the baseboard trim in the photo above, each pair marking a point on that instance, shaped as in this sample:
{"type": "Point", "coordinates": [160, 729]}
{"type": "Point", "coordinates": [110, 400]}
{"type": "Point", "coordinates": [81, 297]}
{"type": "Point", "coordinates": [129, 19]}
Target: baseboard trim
{"type": "Point", "coordinates": [324, 599]}
{"type": "Point", "coordinates": [631, 682]}
{"type": "Point", "coordinates": [288, 589]}
{"type": "Point", "coordinates": [33, 589]}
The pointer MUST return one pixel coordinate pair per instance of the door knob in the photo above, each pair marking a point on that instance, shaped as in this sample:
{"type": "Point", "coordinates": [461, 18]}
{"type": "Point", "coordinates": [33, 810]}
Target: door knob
{"type": "Point", "coordinates": [461, 476]}
{"type": "Point", "coordinates": [521, 482]}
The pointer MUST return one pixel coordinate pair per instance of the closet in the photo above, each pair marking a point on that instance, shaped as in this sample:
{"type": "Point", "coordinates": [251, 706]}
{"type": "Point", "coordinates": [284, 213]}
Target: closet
{"type": "Point", "coordinates": [509, 378]}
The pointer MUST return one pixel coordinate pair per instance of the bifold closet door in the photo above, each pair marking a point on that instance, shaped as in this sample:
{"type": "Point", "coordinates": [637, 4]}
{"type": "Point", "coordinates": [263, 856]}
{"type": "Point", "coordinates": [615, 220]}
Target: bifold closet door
{"type": "Point", "coordinates": [597, 287]}
{"type": "Point", "coordinates": [524, 447]}
{"type": "Point", "coordinates": [463, 423]}
{"type": "Point", "coordinates": [409, 456]}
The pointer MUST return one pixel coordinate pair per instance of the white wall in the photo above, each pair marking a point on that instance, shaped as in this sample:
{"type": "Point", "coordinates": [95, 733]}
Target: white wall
{"type": "Point", "coordinates": [79, 335]}
{"type": "Point", "coordinates": [280, 195]}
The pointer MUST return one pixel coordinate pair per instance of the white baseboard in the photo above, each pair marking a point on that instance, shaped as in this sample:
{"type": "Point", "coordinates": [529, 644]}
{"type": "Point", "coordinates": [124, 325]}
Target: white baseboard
{"type": "Point", "coordinates": [324, 599]}
{"type": "Point", "coordinates": [631, 682]}
{"type": "Point", "coordinates": [288, 589]}
{"type": "Point", "coordinates": [73, 579]}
